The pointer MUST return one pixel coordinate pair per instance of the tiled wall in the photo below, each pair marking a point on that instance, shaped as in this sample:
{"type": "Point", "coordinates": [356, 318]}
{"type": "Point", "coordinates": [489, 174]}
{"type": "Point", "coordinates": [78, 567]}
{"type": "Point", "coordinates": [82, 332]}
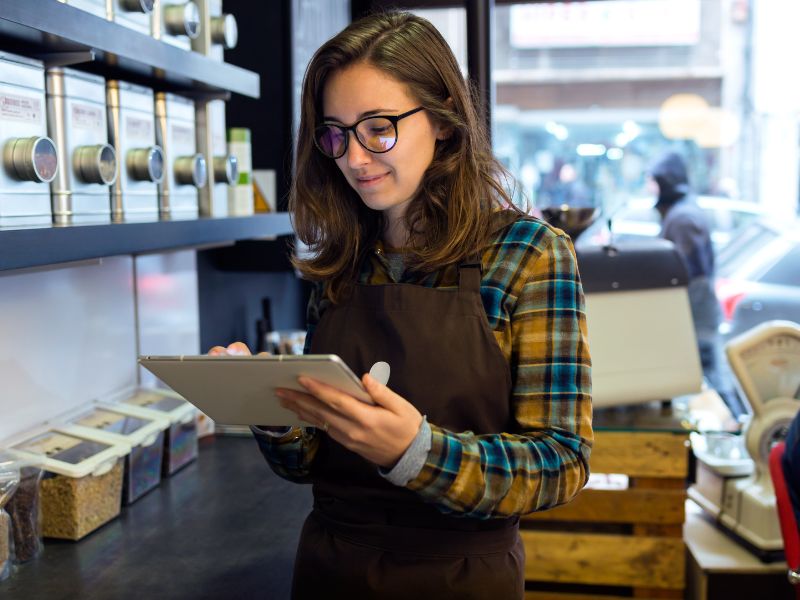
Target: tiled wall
{"type": "Point", "coordinates": [70, 335]}
{"type": "Point", "coordinates": [166, 306]}
{"type": "Point", "coordinates": [67, 336]}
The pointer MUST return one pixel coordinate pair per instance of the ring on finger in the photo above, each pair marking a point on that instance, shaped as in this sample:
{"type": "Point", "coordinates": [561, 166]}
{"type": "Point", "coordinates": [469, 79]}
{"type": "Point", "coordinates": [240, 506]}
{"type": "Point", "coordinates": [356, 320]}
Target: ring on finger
{"type": "Point", "coordinates": [325, 426]}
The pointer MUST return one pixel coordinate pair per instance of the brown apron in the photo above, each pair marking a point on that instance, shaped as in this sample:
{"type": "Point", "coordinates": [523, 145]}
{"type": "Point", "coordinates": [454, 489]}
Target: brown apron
{"type": "Point", "coordinates": [367, 538]}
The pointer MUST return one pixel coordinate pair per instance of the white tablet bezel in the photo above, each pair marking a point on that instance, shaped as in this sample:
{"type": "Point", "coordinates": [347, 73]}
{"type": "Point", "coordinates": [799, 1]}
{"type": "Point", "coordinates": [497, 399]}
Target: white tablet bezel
{"type": "Point", "coordinates": [239, 390]}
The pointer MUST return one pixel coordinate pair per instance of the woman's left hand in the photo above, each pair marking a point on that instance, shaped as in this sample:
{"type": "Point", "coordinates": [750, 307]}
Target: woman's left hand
{"type": "Point", "coordinates": [381, 433]}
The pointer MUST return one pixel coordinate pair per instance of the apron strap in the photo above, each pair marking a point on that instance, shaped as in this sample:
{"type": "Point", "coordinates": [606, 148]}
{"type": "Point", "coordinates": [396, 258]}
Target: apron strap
{"type": "Point", "coordinates": [469, 274]}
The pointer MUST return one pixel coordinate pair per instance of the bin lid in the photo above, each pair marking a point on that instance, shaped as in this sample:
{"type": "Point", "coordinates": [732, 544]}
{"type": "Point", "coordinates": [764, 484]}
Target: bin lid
{"type": "Point", "coordinates": [106, 424]}
{"type": "Point", "coordinates": [160, 402]}
{"type": "Point", "coordinates": [72, 455]}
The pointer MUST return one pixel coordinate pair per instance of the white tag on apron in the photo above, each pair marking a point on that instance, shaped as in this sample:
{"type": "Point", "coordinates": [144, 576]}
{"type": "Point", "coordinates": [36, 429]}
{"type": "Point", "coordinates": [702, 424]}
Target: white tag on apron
{"type": "Point", "coordinates": [380, 372]}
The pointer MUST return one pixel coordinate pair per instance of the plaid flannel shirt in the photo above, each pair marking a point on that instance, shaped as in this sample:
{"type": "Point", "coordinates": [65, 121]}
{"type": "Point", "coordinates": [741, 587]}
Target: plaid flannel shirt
{"type": "Point", "coordinates": [534, 303]}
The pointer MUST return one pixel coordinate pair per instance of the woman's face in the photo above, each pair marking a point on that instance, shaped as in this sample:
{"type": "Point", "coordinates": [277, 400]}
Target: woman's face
{"type": "Point", "coordinates": [385, 181]}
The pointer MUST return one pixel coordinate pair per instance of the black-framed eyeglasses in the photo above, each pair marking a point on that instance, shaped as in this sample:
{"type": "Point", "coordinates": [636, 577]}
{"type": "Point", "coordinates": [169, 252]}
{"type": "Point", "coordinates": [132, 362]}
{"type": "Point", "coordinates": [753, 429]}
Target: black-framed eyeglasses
{"type": "Point", "coordinates": [377, 134]}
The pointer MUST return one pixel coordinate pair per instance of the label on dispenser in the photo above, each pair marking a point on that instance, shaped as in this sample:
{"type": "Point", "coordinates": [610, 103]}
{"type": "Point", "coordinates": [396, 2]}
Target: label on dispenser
{"type": "Point", "coordinates": [20, 108]}
{"type": "Point", "coordinates": [112, 421]}
{"type": "Point", "coordinates": [63, 447]}
{"type": "Point", "coordinates": [87, 117]}
{"type": "Point", "coordinates": [139, 129]}
{"type": "Point", "coordinates": [183, 136]}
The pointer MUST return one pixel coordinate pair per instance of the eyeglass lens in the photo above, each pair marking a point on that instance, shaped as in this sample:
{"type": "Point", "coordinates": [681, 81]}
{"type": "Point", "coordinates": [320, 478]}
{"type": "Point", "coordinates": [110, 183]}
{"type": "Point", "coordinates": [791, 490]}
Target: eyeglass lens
{"type": "Point", "coordinates": [377, 135]}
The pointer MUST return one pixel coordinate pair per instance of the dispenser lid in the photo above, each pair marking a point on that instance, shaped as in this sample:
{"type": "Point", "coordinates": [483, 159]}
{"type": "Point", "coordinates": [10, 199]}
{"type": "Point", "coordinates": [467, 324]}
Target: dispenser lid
{"type": "Point", "coordinates": [160, 402]}
{"type": "Point", "coordinates": [68, 454]}
{"type": "Point", "coordinates": [115, 426]}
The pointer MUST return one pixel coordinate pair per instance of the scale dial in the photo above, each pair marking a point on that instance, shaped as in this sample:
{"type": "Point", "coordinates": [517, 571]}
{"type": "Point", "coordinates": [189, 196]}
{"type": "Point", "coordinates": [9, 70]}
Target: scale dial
{"type": "Point", "coordinates": [766, 362]}
{"type": "Point", "coordinates": [770, 428]}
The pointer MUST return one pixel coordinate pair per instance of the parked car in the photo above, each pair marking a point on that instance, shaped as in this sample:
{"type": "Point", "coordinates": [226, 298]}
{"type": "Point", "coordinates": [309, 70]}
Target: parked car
{"type": "Point", "coordinates": [639, 219]}
{"type": "Point", "coordinates": [758, 276]}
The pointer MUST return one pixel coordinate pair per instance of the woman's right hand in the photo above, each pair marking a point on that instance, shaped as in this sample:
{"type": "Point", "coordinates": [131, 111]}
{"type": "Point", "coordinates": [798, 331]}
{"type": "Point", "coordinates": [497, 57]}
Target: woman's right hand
{"type": "Point", "coordinates": [241, 349]}
{"type": "Point", "coordinates": [234, 349]}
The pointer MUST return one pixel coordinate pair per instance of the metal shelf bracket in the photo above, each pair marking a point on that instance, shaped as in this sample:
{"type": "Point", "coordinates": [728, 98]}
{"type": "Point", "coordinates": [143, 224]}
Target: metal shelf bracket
{"type": "Point", "coordinates": [66, 59]}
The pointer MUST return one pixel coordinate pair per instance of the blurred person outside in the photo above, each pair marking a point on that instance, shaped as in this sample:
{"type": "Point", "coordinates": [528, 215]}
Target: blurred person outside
{"type": "Point", "coordinates": [565, 188]}
{"type": "Point", "coordinates": [571, 190]}
{"type": "Point", "coordinates": [684, 224]}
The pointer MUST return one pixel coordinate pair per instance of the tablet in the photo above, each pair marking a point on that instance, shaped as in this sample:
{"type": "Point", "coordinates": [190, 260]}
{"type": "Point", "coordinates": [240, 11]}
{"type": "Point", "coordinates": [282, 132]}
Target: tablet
{"type": "Point", "coordinates": [240, 390]}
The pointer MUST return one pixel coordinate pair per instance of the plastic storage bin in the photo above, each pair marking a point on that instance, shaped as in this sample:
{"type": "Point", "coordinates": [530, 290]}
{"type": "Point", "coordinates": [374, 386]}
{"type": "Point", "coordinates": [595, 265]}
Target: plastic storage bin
{"type": "Point", "coordinates": [82, 485]}
{"type": "Point", "coordinates": [180, 447]}
{"type": "Point", "coordinates": [145, 435]}
{"type": "Point", "coordinates": [9, 479]}
{"type": "Point", "coordinates": [23, 508]}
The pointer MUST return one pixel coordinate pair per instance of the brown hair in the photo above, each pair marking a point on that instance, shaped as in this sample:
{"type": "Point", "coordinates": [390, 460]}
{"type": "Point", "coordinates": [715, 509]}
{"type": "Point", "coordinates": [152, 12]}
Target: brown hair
{"type": "Point", "coordinates": [449, 214]}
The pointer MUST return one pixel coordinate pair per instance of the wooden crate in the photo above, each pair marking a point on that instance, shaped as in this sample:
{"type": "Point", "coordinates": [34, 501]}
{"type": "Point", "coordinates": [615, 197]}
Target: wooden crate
{"type": "Point", "coordinates": [609, 544]}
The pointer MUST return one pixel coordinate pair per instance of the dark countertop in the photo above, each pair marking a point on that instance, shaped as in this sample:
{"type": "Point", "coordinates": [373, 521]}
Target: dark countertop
{"type": "Point", "coordinates": [223, 527]}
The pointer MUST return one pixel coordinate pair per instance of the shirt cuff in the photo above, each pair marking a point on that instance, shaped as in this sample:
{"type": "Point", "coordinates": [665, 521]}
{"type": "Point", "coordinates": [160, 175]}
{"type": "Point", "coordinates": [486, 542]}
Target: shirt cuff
{"type": "Point", "coordinates": [412, 461]}
{"type": "Point", "coordinates": [274, 432]}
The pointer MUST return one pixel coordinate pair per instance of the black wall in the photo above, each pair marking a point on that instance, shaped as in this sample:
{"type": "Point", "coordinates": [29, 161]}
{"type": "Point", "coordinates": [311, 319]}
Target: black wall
{"type": "Point", "coordinates": [265, 47]}
{"type": "Point", "coordinates": [233, 280]}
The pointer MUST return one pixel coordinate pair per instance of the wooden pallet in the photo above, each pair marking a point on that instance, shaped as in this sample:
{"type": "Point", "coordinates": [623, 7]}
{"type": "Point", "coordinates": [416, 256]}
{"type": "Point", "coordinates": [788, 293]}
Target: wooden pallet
{"type": "Point", "coordinates": [630, 540]}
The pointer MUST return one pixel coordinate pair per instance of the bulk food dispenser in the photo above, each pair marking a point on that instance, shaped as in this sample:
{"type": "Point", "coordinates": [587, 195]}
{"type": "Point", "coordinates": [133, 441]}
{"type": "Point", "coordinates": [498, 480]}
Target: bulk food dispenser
{"type": "Point", "coordinates": [145, 436]}
{"type": "Point", "coordinates": [180, 445]}
{"type": "Point", "coordinates": [77, 122]}
{"type": "Point", "coordinates": [185, 168]}
{"type": "Point", "coordinates": [30, 158]}
{"type": "Point", "coordinates": [176, 22]}
{"type": "Point", "coordinates": [82, 485]}
{"type": "Point", "coordinates": [140, 162]}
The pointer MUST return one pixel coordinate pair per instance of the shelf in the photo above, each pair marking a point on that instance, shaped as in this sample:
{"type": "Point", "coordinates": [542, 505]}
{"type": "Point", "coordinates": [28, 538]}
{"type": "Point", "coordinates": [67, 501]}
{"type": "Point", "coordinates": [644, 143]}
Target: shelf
{"type": "Point", "coordinates": [41, 27]}
{"type": "Point", "coordinates": [36, 247]}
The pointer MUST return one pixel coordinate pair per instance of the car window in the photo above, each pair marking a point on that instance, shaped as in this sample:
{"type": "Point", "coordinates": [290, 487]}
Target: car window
{"type": "Point", "coordinates": [786, 271]}
{"type": "Point", "coordinates": [719, 219]}
{"type": "Point", "coordinates": [646, 214]}
{"type": "Point", "coordinates": [742, 246]}
{"type": "Point", "coordinates": [740, 218]}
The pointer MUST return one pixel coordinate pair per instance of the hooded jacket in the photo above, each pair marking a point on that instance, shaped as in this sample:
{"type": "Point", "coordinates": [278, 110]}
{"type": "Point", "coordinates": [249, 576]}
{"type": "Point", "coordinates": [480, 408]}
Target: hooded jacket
{"type": "Point", "coordinates": [672, 179]}
{"type": "Point", "coordinates": [685, 225]}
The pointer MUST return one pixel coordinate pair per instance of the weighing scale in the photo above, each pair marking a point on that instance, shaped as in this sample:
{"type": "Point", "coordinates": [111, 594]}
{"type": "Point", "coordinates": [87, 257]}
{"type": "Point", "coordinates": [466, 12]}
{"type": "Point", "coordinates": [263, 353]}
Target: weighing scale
{"type": "Point", "coordinates": [732, 486]}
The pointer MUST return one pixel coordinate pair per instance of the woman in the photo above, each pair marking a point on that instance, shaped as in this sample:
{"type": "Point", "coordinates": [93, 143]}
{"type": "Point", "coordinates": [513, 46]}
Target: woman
{"type": "Point", "coordinates": [477, 309]}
